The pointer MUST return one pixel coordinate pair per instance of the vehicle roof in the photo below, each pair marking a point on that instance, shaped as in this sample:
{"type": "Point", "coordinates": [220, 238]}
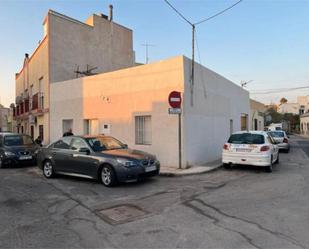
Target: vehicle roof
{"type": "Point", "coordinates": [88, 136]}
{"type": "Point", "coordinates": [253, 132]}
{"type": "Point", "coordinates": [11, 134]}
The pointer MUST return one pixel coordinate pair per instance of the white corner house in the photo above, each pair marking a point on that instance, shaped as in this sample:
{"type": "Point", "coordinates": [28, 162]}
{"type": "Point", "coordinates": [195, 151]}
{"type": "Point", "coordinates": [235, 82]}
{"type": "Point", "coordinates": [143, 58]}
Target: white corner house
{"type": "Point", "coordinates": [132, 105]}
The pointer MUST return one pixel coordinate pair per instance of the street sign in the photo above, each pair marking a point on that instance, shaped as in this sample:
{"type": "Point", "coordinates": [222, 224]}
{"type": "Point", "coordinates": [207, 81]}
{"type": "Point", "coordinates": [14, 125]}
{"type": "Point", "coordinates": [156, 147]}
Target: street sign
{"type": "Point", "coordinates": [174, 99]}
{"type": "Point", "coordinates": [174, 110]}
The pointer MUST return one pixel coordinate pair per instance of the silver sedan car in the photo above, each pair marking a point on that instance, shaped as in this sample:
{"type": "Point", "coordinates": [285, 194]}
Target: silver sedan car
{"type": "Point", "coordinates": [282, 139]}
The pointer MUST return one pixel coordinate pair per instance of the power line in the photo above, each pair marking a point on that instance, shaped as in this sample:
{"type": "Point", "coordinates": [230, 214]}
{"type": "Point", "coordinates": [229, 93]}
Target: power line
{"type": "Point", "coordinates": [278, 90]}
{"type": "Point", "coordinates": [200, 60]}
{"type": "Point", "coordinates": [181, 15]}
{"type": "Point", "coordinates": [219, 13]}
{"type": "Point", "coordinates": [193, 37]}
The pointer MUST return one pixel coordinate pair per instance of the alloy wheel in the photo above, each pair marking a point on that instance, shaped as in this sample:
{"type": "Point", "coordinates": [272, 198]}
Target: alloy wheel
{"type": "Point", "coordinates": [106, 176]}
{"type": "Point", "coordinates": [48, 169]}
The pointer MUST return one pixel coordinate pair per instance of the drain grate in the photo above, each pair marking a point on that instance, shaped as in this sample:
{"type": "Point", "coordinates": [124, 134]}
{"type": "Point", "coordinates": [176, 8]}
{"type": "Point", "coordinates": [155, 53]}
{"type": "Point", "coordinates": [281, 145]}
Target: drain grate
{"type": "Point", "coordinates": [121, 214]}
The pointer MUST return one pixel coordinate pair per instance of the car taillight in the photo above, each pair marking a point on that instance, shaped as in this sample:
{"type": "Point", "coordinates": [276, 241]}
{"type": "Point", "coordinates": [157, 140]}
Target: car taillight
{"type": "Point", "coordinates": [265, 148]}
{"type": "Point", "coordinates": [225, 146]}
{"type": "Point", "coordinates": [285, 140]}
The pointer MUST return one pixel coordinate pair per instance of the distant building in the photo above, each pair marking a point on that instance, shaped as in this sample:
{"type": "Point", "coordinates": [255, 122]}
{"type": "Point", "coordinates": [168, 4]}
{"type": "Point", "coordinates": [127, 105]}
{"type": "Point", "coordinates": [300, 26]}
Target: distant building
{"type": "Point", "coordinates": [272, 106]}
{"type": "Point", "coordinates": [4, 119]}
{"type": "Point", "coordinates": [257, 114]}
{"type": "Point", "coordinates": [69, 49]}
{"type": "Point", "coordinates": [132, 105]}
{"type": "Point", "coordinates": [300, 107]}
{"type": "Point", "coordinates": [304, 124]}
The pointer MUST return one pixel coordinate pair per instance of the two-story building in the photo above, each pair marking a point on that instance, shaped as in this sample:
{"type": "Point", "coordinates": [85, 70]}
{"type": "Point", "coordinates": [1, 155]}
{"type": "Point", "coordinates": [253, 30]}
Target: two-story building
{"type": "Point", "coordinates": [69, 49]}
{"type": "Point", "coordinates": [257, 111]}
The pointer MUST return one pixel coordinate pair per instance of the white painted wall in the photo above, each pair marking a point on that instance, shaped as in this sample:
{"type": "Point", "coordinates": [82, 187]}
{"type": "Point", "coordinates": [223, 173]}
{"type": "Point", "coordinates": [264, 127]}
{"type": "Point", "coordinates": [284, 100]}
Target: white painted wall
{"type": "Point", "coordinates": [207, 123]}
{"type": "Point", "coordinates": [115, 99]}
{"type": "Point", "coordinates": [99, 43]}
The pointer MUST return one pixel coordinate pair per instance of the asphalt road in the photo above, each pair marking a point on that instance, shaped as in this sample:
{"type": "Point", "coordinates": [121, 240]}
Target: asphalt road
{"type": "Point", "coordinates": [238, 208]}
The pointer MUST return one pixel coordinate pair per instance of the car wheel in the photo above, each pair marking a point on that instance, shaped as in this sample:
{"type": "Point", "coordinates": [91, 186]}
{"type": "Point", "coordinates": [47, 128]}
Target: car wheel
{"type": "Point", "coordinates": [108, 176]}
{"type": "Point", "coordinates": [269, 168]}
{"type": "Point", "coordinates": [277, 161]}
{"type": "Point", "coordinates": [48, 170]}
{"type": "Point", "coordinates": [1, 163]}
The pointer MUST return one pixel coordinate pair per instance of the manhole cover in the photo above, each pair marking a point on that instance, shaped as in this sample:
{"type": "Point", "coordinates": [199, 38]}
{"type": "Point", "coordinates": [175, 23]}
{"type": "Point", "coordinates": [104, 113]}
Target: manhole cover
{"type": "Point", "coordinates": [121, 213]}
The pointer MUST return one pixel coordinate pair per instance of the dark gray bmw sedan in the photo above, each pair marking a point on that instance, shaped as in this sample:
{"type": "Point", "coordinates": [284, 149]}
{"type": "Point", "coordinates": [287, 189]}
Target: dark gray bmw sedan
{"type": "Point", "coordinates": [98, 157]}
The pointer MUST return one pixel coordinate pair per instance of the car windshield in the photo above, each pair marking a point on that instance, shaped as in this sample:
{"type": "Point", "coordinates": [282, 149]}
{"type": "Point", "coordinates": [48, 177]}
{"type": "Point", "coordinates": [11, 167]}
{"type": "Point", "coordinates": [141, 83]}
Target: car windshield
{"type": "Point", "coordinates": [105, 143]}
{"type": "Point", "coordinates": [246, 138]}
{"type": "Point", "coordinates": [276, 134]}
{"type": "Point", "coordinates": [17, 140]}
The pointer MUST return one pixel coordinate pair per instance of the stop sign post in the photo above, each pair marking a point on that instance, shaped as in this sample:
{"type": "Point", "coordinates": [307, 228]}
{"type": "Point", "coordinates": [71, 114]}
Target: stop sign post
{"type": "Point", "coordinates": [174, 100]}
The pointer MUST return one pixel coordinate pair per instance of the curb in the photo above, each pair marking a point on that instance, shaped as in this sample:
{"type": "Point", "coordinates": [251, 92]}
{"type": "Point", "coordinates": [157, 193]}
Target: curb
{"type": "Point", "coordinates": [180, 174]}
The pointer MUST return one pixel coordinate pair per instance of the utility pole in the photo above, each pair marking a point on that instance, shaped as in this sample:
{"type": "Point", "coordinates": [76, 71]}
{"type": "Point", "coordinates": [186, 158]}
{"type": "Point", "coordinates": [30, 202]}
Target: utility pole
{"type": "Point", "coordinates": [147, 45]}
{"type": "Point", "coordinates": [193, 25]}
{"type": "Point", "coordinates": [192, 65]}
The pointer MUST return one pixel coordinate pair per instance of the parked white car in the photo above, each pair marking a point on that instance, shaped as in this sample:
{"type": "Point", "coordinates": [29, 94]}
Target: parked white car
{"type": "Point", "coordinates": [282, 139]}
{"type": "Point", "coordinates": [251, 148]}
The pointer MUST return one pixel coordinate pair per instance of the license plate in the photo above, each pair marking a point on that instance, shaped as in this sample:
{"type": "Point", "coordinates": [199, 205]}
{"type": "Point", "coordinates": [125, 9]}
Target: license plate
{"type": "Point", "coordinates": [243, 150]}
{"type": "Point", "coordinates": [25, 157]}
{"type": "Point", "coordinates": [151, 168]}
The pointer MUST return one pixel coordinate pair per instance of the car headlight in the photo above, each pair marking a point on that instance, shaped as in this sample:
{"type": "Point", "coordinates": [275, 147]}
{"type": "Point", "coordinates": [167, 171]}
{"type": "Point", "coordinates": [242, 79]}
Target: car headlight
{"type": "Point", "coordinates": [9, 153]}
{"type": "Point", "coordinates": [126, 163]}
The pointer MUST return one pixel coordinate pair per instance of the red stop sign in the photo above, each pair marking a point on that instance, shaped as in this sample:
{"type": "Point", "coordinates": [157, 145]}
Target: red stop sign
{"type": "Point", "coordinates": [174, 99]}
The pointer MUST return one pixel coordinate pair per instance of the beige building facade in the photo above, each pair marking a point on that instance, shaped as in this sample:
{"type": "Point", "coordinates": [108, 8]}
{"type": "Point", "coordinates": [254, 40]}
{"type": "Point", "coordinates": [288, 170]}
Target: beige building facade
{"type": "Point", "coordinates": [304, 124]}
{"type": "Point", "coordinates": [132, 105]}
{"type": "Point", "coordinates": [300, 107]}
{"type": "Point", "coordinates": [69, 49]}
{"type": "Point", "coordinates": [5, 119]}
{"type": "Point", "coordinates": [257, 114]}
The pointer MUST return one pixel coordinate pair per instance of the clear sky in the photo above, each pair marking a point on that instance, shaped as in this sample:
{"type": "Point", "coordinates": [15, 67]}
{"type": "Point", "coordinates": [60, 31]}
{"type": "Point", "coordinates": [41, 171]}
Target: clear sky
{"type": "Point", "coordinates": [266, 41]}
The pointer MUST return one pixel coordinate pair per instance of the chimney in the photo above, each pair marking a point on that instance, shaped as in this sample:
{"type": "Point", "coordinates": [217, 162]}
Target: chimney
{"type": "Point", "coordinates": [110, 13]}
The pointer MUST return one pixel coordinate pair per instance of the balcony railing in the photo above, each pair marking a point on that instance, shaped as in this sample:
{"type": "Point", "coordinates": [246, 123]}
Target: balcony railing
{"type": "Point", "coordinates": [34, 103]}
{"type": "Point", "coordinates": [38, 101]}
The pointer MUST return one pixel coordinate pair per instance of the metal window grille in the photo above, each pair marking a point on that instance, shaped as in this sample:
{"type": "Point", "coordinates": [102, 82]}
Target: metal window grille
{"type": "Point", "coordinates": [143, 134]}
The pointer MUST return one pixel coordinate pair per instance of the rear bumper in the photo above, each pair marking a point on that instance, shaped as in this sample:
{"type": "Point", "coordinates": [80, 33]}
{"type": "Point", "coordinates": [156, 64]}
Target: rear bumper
{"type": "Point", "coordinates": [284, 146]}
{"type": "Point", "coordinates": [255, 160]}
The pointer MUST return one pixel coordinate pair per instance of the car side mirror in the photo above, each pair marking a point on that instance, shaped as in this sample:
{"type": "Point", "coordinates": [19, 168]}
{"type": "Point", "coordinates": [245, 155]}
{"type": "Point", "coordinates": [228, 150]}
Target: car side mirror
{"type": "Point", "coordinates": [84, 150]}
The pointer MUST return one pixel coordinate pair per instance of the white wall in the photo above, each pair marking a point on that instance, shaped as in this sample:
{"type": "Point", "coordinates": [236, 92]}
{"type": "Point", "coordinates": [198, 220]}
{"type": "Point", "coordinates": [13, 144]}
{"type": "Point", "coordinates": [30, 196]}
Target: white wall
{"type": "Point", "coordinates": [100, 43]}
{"type": "Point", "coordinates": [115, 98]}
{"type": "Point", "coordinates": [207, 123]}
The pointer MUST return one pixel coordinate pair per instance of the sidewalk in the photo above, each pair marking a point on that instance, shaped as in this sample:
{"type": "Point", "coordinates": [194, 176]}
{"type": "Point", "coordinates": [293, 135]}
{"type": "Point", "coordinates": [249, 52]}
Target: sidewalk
{"type": "Point", "coordinates": [193, 170]}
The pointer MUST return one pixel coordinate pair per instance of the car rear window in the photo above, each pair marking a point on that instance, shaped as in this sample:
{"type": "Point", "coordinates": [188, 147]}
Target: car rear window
{"type": "Point", "coordinates": [18, 140]}
{"type": "Point", "coordinates": [276, 134]}
{"type": "Point", "coordinates": [246, 138]}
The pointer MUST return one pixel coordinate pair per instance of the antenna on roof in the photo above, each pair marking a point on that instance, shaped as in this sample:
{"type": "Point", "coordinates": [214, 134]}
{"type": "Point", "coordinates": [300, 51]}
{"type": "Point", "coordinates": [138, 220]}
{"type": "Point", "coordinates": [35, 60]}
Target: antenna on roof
{"type": "Point", "coordinates": [146, 45]}
{"type": "Point", "coordinates": [87, 72]}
